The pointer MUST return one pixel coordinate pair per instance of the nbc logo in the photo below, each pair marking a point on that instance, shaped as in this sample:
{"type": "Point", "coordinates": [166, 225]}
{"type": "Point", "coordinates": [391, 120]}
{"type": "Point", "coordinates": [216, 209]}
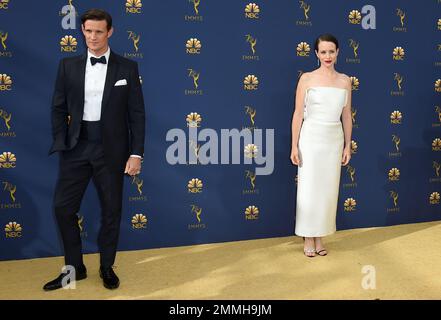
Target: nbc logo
{"type": "Point", "coordinates": [434, 198]}
{"type": "Point", "coordinates": [252, 11]}
{"type": "Point", "coordinates": [195, 186]}
{"type": "Point", "coordinates": [251, 82]}
{"type": "Point", "coordinates": [394, 174]}
{"type": "Point", "coordinates": [193, 120]}
{"type": "Point", "coordinates": [251, 150]}
{"type": "Point", "coordinates": [7, 160]}
{"type": "Point", "coordinates": [355, 83]}
{"type": "Point", "coordinates": [68, 44]}
{"type": "Point", "coordinates": [139, 221]}
{"type": "Point", "coordinates": [398, 54]}
{"type": "Point", "coordinates": [354, 147]}
{"type": "Point", "coordinates": [436, 144]}
{"type": "Point", "coordinates": [133, 6]}
{"type": "Point", "coordinates": [354, 17]}
{"type": "Point", "coordinates": [13, 230]}
{"type": "Point", "coordinates": [5, 82]}
{"type": "Point", "coordinates": [350, 205]}
{"type": "Point", "coordinates": [193, 46]}
{"type": "Point", "coordinates": [4, 4]}
{"type": "Point", "coordinates": [303, 49]}
{"type": "Point", "coordinates": [395, 117]}
{"type": "Point", "coordinates": [437, 85]}
{"type": "Point", "coordinates": [251, 213]}
{"type": "Point", "coordinates": [439, 24]}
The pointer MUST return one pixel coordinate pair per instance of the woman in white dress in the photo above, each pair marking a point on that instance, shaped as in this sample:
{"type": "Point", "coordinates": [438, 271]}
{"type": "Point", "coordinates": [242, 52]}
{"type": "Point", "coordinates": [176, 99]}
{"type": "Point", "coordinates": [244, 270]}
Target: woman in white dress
{"type": "Point", "coordinates": [321, 144]}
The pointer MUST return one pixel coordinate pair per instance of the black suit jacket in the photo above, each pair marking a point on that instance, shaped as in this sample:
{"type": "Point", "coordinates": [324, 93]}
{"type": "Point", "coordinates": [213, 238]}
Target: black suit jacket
{"type": "Point", "coordinates": [122, 109]}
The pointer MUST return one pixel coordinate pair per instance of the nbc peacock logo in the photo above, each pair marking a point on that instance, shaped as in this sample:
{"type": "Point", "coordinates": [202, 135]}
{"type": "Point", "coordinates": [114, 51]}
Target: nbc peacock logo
{"type": "Point", "coordinates": [354, 147]}
{"type": "Point", "coordinates": [4, 4]}
{"type": "Point", "coordinates": [5, 82]}
{"type": "Point", "coordinates": [354, 17]}
{"type": "Point", "coordinates": [13, 230]}
{"type": "Point", "coordinates": [7, 160]}
{"type": "Point", "coordinates": [303, 49]}
{"type": "Point", "coordinates": [439, 24]}
{"type": "Point", "coordinates": [438, 85]}
{"type": "Point", "coordinates": [139, 221]}
{"type": "Point", "coordinates": [251, 213]}
{"type": "Point", "coordinates": [394, 174]}
{"type": "Point", "coordinates": [350, 205]}
{"type": "Point", "coordinates": [252, 11]}
{"type": "Point", "coordinates": [396, 117]}
{"type": "Point", "coordinates": [193, 120]}
{"type": "Point", "coordinates": [195, 185]}
{"type": "Point", "coordinates": [251, 82]}
{"type": "Point", "coordinates": [251, 151]}
{"type": "Point", "coordinates": [434, 198]}
{"type": "Point", "coordinates": [436, 144]}
{"type": "Point", "coordinates": [193, 46]}
{"type": "Point", "coordinates": [355, 83]}
{"type": "Point", "coordinates": [133, 6]}
{"type": "Point", "coordinates": [68, 44]}
{"type": "Point", "coordinates": [398, 54]}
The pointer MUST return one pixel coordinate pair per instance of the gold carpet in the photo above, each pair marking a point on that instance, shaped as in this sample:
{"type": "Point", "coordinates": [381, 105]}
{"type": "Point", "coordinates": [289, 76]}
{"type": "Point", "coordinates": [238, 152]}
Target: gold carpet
{"type": "Point", "coordinates": [399, 262]}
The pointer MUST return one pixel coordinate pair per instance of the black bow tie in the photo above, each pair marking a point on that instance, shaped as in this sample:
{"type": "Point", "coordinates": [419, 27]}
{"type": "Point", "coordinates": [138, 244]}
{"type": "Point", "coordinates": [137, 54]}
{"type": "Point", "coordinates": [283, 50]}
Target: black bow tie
{"type": "Point", "coordinates": [96, 60]}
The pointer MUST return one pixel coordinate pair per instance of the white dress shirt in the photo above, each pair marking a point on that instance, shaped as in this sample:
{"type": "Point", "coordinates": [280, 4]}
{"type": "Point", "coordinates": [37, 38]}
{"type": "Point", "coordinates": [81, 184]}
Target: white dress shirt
{"type": "Point", "coordinates": [94, 83]}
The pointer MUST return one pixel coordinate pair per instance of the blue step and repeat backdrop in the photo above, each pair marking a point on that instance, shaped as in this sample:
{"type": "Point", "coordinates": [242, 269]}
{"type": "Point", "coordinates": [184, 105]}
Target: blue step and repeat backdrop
{"type": "Point", "coordinates": [224, 65]}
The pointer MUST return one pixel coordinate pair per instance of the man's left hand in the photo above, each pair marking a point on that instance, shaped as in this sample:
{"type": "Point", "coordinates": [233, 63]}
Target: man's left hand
{"type": "Point", "coordinates": [133, 166]}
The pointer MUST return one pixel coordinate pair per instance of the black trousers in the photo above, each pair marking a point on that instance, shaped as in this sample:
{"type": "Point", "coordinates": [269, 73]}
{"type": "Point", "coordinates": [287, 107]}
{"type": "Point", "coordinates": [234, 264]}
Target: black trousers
{"type": "Point", "coordinates": [77, 166]}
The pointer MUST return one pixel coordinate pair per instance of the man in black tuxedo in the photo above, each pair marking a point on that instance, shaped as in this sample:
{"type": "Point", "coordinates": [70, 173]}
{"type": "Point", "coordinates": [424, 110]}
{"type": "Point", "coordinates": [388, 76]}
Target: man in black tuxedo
{"type": "Point", "coordinates": [98, 123]}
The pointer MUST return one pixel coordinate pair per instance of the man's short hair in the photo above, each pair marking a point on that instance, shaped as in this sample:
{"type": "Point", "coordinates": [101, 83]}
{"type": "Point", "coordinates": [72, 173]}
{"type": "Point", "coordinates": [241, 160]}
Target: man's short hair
{"type": "Point", "coordinates": [97, 15]}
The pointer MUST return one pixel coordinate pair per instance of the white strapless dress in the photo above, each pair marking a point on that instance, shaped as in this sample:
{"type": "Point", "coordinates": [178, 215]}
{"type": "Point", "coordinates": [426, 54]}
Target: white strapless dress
{"type": "Point", "coordinates": [321, 144]}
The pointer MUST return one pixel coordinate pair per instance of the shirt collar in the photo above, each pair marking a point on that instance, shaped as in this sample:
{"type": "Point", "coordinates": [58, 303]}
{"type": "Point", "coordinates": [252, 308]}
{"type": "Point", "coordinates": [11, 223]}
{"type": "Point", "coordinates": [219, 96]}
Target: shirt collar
{"type": "Point", "coordinates": [106, 54]}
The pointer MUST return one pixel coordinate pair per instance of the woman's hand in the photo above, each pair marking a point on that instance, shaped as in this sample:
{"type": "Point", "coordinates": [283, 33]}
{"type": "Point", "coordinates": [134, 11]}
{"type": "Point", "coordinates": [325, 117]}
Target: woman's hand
{"type": "Point", "coordinates": [295, 159]}
{"type": "Point", "coordinates": [346, 156]}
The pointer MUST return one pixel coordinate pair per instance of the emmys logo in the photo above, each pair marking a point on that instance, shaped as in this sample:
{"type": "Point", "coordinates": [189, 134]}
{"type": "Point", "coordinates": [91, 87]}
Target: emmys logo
{"type": "Point", "coordinates": [355, 83]}
{"type": "Point", "coordinates": [197, 211]}
{"type": "Point", "coordinates": [368, 21]}
{"type": "Point", "coordinates": [193, 46]}
{"type": "Point", "coordinates": [252, 11]}
{"type": "Point", "coordinates": [394, 196]}
{"type": "Point", "coordinates": [395, 117]}
{"type": "Point", "coordinates": [306, 8]}
{"type": "Point", "coordinates": [251, 113]}
{"type": "Point", "coordinates": [195, 186]}
{"type": "Point", "coordinates": [133, 6]}
{"type": "Point", "coordinates": [303, 49]}
{"type": "Point", "coordinates": [193, 120]}
{"type": "Point", "coordinates": [5, 82]}
{"type": "Point", "coordinates": [354, 46]}
{"type": "Point", "coordinates": [7, 160]}
{"type": "Point", "coordinates": [396, 140]}
{"type": "Point", "coordinates": [196, 16]}
{"type": "Point", "coordinates": [351, 173]}
{"type": "Point", "coordinates": [139, 221]}
{"type": "Point", "coordinates": [436, 144]}
{"type": "Point", "coordinates": [135, 41]}
{"type": "Point", "coordinates": [6, 118]}
{"type": "Point", "coordinates": [434, 198]}
{"type": "Point", "coordinates": [251, 151]}
{"type": "Point", "coordinates": [138, 183]}
{"type": "Point", "coordinates": [11, 190]}
{"type": "Point", "coordinates": [350, 204]}
{"type": "Point", "coordinates": [437, 110]}
{"type": "Point", "coordinates": [354, 121]}
{"type": "Point", "coordinates": [394, 174]}
{"type": "Point", "coordinates": [83, 233]}
{"type": "Point", "coordinates": [3, 52]}
{"type": "Point", "coordinates": [251, 213]}
{"type": "Point", "coordinates": [354, 147]}
{"type": "Point", "coordinates": [68, 44]}
{"type": "Point", "coordinates": [9, 187]}
{"type": "Point", "coordinates": [13, 230]}
{"type": "Point", "coordinates": [4, 4]}
{"type": "Point", "coordinates": [252, 42]}
{"type": "Point", "coordinates": [401, 15]}
{"type": "Point", "coordinates": [436, 166]}
{"type": "Point", "coordinates": [195, 76]}
{"type": "Point", "coordinates": [399, 80]}
{"type": "Point", "coordinates": [251, 176]}
{"type": "Point", "coordinates": [195, 148]}
{"type": "Point", "coordinates": [251, 82]}
{"type": "Point", "coordinates": [437, 85]}
{"type": "Point", "coordinates": [398, 54]}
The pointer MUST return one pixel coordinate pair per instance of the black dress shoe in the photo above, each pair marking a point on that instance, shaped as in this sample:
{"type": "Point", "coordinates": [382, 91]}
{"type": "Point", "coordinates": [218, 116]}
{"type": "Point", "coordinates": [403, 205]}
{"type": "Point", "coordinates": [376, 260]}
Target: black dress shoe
{"type": "Point", "coordinates": [80, 274]}
{"type": "Point", "coordinates": [110, 279]}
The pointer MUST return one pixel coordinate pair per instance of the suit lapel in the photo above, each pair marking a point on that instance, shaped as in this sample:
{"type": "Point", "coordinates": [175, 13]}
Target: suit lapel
{"type": "Point", "coordinates": [110, 80]}
{"type": "Point", "coordinates": [81, 77]}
